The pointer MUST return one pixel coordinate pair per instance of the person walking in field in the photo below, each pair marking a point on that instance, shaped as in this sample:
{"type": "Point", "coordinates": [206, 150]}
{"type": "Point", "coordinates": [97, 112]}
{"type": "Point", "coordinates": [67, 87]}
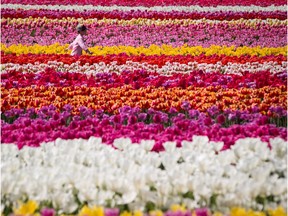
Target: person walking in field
{"type": "Point", "coordinates": [78, 45]}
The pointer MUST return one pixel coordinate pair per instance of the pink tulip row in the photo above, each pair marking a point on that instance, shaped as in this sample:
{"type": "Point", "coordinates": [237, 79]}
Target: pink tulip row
{"type": "Point", "coordinates": [133, 35]}
{"type": "Point", "coordinates": [149, 3]}
{"type": "Point", "coordinates": [127, 15]}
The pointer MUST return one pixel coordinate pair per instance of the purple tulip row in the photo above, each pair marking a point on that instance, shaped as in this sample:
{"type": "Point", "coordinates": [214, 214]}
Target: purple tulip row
{"type": "Point", "coordinates": [135, 35]}
{"type": "Point", "coordinates": [28, 127]}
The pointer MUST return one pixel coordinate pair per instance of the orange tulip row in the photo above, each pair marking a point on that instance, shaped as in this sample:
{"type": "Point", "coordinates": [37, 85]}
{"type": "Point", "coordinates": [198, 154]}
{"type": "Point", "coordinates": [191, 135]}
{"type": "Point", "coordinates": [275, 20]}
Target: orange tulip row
{"type": "Point", "coordinates": [158, 98]}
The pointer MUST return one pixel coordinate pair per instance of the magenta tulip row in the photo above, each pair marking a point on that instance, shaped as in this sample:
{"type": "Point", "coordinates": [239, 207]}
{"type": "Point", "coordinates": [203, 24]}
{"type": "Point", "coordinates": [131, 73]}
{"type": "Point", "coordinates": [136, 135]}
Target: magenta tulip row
{"type": "Point", "coordinates": [32, 128]}
{"type": "Point", "coordinates": [127, 15]}
{"type": "Point", "coordinates": [134, 35]}
{"type": "Point", "coordinates": [149, 3]}
{"type": "Point", "coordinates": [142, 78]}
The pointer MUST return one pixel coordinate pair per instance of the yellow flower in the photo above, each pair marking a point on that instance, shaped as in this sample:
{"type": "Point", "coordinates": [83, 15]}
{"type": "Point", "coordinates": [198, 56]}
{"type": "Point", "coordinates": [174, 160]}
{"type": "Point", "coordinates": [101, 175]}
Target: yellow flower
{"type": "Point", "coordinates": [242, 212]}
{"type": "Point", "coordinates": [94, 211]}
{"type": "Point", "coordinates": [138, 213]}
{"type": "Point", "coordinates": [217, 214]}
{"type": "Point", "coordinates": [255, 213]}
{"type": "Point", "coordinates": [176, 208]}
{"type": "Point", "coordinates": [277, 212]}
{"type": "Point", "coordinates": [27, 208]}
{"type": "Point", "coordinates": [156, 213]}
{"type": "Point", "coordinates": [238, 212]}
{"type": "Point", "coordinates": [126, 213]}
{"type": "Point", "coordinates": [151, 50]}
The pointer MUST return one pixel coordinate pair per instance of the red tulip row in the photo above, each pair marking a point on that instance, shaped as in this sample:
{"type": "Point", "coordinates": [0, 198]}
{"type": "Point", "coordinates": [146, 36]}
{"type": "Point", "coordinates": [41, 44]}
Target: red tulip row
{"type": "Point", "coordinates": [123, 58]}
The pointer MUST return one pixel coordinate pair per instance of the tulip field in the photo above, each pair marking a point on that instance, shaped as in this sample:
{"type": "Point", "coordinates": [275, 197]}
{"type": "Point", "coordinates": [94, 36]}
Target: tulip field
{"type": "Point", "coordinates": [180, 110]}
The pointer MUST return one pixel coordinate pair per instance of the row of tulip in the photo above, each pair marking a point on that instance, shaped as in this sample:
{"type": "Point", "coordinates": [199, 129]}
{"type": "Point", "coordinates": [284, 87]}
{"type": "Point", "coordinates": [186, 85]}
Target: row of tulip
{"type": "Point", "coordinates": [137, 78]}
{"type": "Point", "coordinates": [164, 49]}
{"type": "Point", "coordinates": [159, 60]}
{"type": "Point", "coordinates": [150, 3]}
{"type": "Point", "coordinates": [239, 117]}
{"type": "Point", "coordinates": [145, 97]}
{"type": "Point", "coordinates": [30, 127]}
{"type": "Point", "coordinates": [148, 155]}
{"type": "Point", "coordinates": [127, 15]}
{"type": "Point", "coordinates": [31, 207]}
{"type": "Point", "coordinates": [172, 8]}
{"type": "Point", "coordinates": [245, 23]}
{"type": "Point", "coordinates": [249, 174]}
{"type": "Point", "coordinates": [168, 69]}
{"type": "Point", "coordinates": [190, 8]}
{"type": "Point", "coordinates": [201, 34]}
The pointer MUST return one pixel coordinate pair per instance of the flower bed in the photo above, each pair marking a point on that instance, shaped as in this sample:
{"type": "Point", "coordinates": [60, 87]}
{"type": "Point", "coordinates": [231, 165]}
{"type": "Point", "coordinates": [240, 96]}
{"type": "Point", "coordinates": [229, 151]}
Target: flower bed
{"type": "Point", "coordinates": [181, 109]}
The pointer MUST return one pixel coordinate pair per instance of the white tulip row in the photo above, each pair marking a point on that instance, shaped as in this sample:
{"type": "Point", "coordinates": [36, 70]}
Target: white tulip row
{"type": "Point", "coordinates": [192, 8]}
{"type": "Point", "coordinates": [167, 69]}
{"type": "Point", "coordinates": [133, 175]}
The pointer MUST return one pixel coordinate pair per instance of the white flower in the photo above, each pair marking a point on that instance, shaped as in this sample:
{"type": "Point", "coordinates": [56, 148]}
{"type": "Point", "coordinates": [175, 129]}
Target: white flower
{"type": "Point", "coordinates": [100, 173]}
{"type": "Point", "coordinates": [217, 146]}
{"type": "Point", "coordinates": [65, 201]}
{"type": "Point", "coordinates": [279, 147]}
{"type": "Point", "coordinates": [170, 146]}
{"type": "Point", "coordinates": [248, 164]}
{"type": "Point", "coordinates": [122, 143]}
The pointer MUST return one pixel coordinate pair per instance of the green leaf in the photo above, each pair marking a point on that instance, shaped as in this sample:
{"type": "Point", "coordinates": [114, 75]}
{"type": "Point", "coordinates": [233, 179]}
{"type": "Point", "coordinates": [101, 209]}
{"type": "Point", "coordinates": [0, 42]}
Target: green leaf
{"type": "Point", "coordinates": [189, 195]}
{"type": "Point", "coordinates": [150, 206]}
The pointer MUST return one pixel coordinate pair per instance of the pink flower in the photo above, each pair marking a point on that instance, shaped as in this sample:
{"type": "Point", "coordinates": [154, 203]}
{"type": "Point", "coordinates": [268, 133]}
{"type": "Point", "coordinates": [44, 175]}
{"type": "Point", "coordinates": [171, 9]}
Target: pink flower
{"type": "Point", "coordinates": [47, 212]}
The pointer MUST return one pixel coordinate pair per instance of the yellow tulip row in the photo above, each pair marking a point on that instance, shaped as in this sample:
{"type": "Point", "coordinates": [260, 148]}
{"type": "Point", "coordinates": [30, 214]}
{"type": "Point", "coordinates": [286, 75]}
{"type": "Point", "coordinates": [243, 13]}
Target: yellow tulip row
{"type": "Point", "coordinates": [151, 50]}
{"type": "Point", "coordinates": [145, 21]}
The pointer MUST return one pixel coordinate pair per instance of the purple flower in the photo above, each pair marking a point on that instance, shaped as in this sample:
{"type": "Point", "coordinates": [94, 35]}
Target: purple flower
{"type": "Point", "coordinates": [255, 109]}
{"type": "Point", "coordinates": [76, 118]}
{"type": "Point", "coordinates": [151, 111]}
{"type": "Point", "coordinates": [125, 109]}
{"type": "Point", "coordinates": [193, 113]}
{"type": "Point", "coordinates": [212, 111]}
{"type": "Point", "coordinates": [279, 111]}
{"type": "Point", "coordinates": [51, 107]}
{"type": "Point", "coordinates": [164, 117]}
{"type": "Point", "coordinates": [173, 110]}
{"type": "Point", "coordinates": [185, 105]}
{"type": "Point", "coordinates": [142, 116]}
{"type": "Point", "coordinates": [68, 107]}
{"type": "Point", "coordinates": [232, 117]}
{"type": "Point", "coordinates": [44, 109]}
